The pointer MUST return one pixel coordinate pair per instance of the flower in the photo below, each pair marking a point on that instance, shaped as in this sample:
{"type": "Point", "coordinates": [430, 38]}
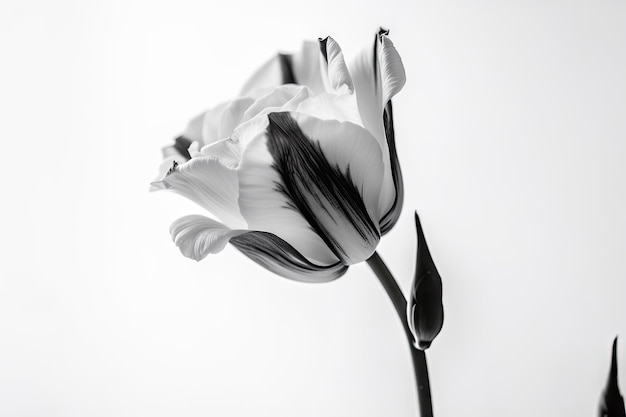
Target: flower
{"type": "Point", "coordinates": [301, 169]}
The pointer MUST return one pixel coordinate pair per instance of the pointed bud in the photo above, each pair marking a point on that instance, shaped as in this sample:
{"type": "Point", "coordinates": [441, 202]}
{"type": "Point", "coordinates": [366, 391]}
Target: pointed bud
{"type": "Point", "coordinates": [612, 402]}
{"type": "Point", "coordinates": [425, 309]}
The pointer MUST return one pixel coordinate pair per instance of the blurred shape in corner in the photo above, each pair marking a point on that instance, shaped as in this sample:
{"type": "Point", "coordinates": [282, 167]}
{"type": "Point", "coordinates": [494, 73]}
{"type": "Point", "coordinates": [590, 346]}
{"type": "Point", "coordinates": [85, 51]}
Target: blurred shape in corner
{"type": "Point", "coordinates": [612, 402]}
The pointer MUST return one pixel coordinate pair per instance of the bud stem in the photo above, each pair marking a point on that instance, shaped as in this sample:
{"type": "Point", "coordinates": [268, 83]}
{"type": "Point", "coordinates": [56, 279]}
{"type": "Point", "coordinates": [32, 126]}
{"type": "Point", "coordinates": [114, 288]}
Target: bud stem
{"type": "Point", "coordinates": [418, 356]}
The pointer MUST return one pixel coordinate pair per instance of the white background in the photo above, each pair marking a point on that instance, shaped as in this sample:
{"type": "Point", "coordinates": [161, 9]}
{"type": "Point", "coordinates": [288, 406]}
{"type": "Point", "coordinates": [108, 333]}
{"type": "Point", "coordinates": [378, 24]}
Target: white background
{"type": "Point", "coordinates": [511, 132]}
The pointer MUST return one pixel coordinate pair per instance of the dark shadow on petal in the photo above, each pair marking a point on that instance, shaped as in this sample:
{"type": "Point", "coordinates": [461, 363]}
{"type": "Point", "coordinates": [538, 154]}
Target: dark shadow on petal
{"type": "Point", "coordinates": [323, 50]}
{"type": "Point", "coordinates": [179, 149]}
{"type": "Point", "coordinates": [390, 218]}
{"type": "Point", "coordinates": [278, 256]}
{"type": "Point", "coordinates": [286, 68]}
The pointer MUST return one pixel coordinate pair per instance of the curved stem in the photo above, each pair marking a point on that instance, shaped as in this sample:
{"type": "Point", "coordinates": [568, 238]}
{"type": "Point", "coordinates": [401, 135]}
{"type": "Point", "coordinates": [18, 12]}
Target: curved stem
{"type": "Point", "coordinates": [418, 356]}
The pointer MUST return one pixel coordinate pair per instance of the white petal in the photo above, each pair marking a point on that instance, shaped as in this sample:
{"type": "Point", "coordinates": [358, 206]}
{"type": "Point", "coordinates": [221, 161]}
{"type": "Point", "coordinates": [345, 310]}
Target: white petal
{"type": "Point", "coordinates": [327, 106]}
{"type": "Point", "coordinates": [269, 75]}
{"type": "Point", "coordinates": [232, 116]}
{"type": "Point", "coordinates": [306, 67]}
{"type": "Point", "coordinates": [367, 86]}
{"type": "Point", "coordinates": [208, 183]}
{"type": "Point", "coordinates": [285, 97]}
{"type": "Point", "coordinates": [302, 68]}
{"type": "Point", "coordinates": [392, 72]}
{"type": "Point", "coordinates": [336, 72]}
{"type": "Point", "coordinates": [278, 256]}
{"type": "Point", "coordinates": [164, 168]}
{"type": "Point", "coordinates": [378, 74]}
{"type": "Point", "coordinates": [226, 151]}
{"type": "Point", "coordinates": [204, 127]}
{"type": "Point", "coordinates": [194, 128]}
{"type": "Point", "coordinates": [266, 209]}
{"type": "Point", "coordinates": [197, 236]}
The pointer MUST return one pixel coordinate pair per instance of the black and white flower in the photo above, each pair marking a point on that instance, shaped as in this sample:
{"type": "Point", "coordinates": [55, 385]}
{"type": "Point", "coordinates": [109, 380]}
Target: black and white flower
{"type": "Point", "coordinates": [299, 172]}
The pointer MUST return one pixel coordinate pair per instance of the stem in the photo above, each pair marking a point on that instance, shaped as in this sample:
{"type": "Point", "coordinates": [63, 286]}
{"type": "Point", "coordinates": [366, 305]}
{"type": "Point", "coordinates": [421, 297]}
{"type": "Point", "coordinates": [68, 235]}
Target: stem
{"type": "Point", "coordinates": [418, 356]}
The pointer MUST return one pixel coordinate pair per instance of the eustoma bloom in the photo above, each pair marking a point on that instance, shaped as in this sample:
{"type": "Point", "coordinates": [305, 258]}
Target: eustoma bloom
{"type": "Point", "coordinates": [301, 169]}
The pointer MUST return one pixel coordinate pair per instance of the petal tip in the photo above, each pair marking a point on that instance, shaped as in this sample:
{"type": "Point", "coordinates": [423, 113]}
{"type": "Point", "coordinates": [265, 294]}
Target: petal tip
{"type": "Point", "coordinates": [156, 185]}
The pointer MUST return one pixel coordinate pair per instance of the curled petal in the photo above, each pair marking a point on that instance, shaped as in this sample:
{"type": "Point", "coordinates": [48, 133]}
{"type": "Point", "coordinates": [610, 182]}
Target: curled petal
{"type": "Point", "coordinates": [378, 75]}
{"type": "Point", "coordinates": [204, 128]}
{"type": "Point", "coordinates": [278, 256]}
{"type": "Point", "coordinates": [336, 72]}
{"type": "Point", "coordinates": [227, 151]}
{"type": "Point", "coordinates": [286, 97]}
{"type": "Point", "coordinates": [391, 216]}
{"type": "Point", "coordinates": [208, 183]}
{"type": "Point", "coordinates": [392, 72]}
{"type": "Point", "coordinates": [197, 236]}
{"type": "Point", "coordinates": [232, 116]}
{"type": "Point", "coordinates": [164, 170]}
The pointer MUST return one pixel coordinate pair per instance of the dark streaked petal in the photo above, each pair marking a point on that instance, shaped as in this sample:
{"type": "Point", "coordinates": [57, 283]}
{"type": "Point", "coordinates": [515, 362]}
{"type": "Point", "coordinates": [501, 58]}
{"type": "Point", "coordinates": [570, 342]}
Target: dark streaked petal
{"type": "Point", "coordinates": [197, 236]}
{"type": "Point", "coordinates": [352, 150]}
{"type": "Point", "coordinates": [325, 195]}
{"type": "Point", "coordinates": [390, 218]}
{"type": "Point", "coordinates": [278, 256]}
{"type": "Point", "coordinates": [266, 209]}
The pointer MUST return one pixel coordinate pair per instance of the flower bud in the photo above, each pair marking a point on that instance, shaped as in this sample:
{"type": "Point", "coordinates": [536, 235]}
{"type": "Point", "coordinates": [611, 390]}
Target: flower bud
{"type": "Point", "coordinates": [299, 172]}
{"type": "Point", "coordinates": [425, 308]}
